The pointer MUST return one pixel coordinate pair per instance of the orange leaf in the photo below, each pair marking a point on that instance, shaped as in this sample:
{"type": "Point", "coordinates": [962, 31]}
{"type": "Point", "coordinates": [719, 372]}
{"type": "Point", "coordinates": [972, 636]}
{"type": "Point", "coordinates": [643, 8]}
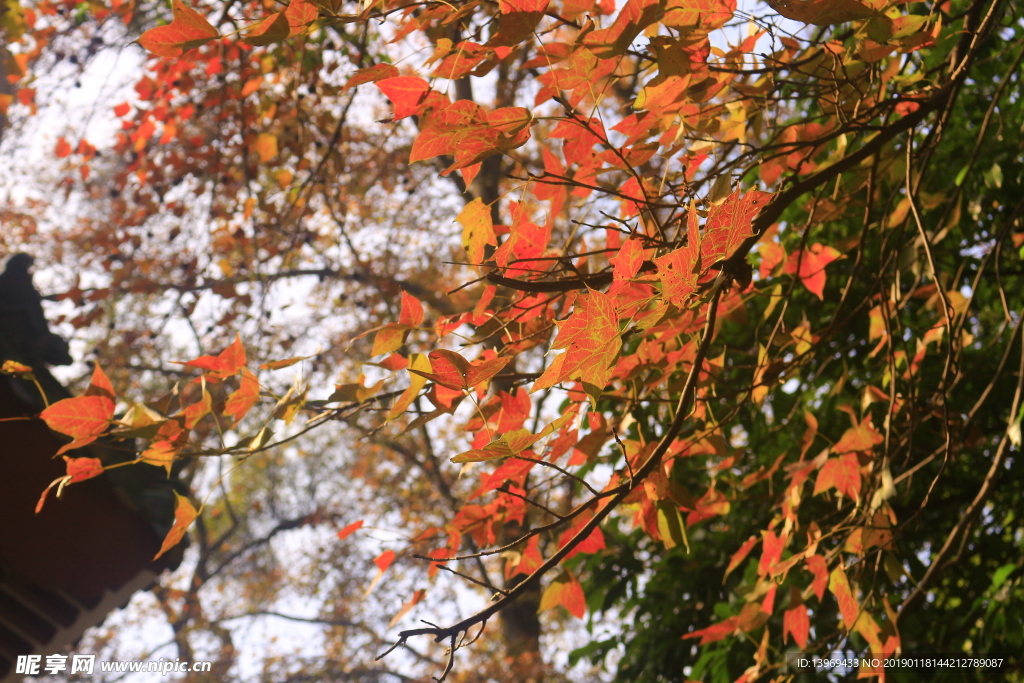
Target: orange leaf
{"type": "Point", "coordinates": [716, 632]}
{"type": "Point", "coordinates": [840, 587]}
{"type": "Point", "coordinates": [189, 29]}
{"type": "Point", "coordinates": [300, 13]}
{"type": "Point", "coordinates": [679, 270]}
{"type": "Point", "coordinates": [13, 367]}
{"type": "Point", "coordinates": [349, 530]}
{"type": "Point", "coordinates": [99, 384]}
{"type": "Point", "coordinates": [771, 552]}
{"type": "Point", "coordinates": [198, 410]}
{"type": "Point", "coordinates": [184, 515]}
{"type": "Point", "coordinates": [63, 148]}
{"type": "Point", "coordinates": [285, 363]}
{"type": "Point", "coordinates": [412, 602]}
{"type": "Point", "coordinates": [370, 74]}
{"type": "Point", "coordinates": [860, 439]}
{"type": "Point", "coordinates": [419, 367]}
{"type": "Point", "coordinates": [740, 555]}
{"type": "Point", "coordinates": [122, 109]}
{"type": "Point", "coordinates": [241, 401]}
{"type": "Point", "coordinates": [795, 622]}
{"type": "Point", "coordinates": [591, 544]}
{"type": "Point", "coordinates": [568, 593]}
{"type": "Point", "coordinates": [703, 15]}
{"type": "Point", "coordinates": [635, 16]}
{"type": "Point", "coordinates": [384, 560]}
{"type": "Point", "coordinates": [160, 454]}
{"type": "Point", "coordinates": [388, 338]}
{"type": "Point", "coordinates": [80, 469]}
{"type": "Point", "coordinates": [517, 21]}
{"type": "Point", "coordinates": [227, 363]}
{"type": "Point", "coordinates": [265, 146]}
{"type": "Point", "coordinates": [843, 473]}
{"type": "Point", "coordinates": [729, 224]}
{"type": "Point", "coordinates": [591, 335]}
{"type": "Point", "coordinates": [812, 262]}
{"type": "Point", "coordinates": [412, 311]}
{"type": "Point", "coordinates": [629, 259]}
{"type": "Point", "coordinates": [406, 93]}
{"type": "Point", "coordinates": [816, 565]}
{"type": "Point", "coordinates": [451, 370]}
{"type": "Point", "coordinates": [273, 29]}
{"type": "Point", "coordinates": [83, 418]}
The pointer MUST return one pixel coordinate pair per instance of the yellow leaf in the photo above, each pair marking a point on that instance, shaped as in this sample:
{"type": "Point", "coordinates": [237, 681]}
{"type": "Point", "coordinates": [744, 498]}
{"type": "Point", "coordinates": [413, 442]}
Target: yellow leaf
{"type": "Point", "coordinates": [184, 515]}
{"type": "Point", "coordinates": [266, 146]}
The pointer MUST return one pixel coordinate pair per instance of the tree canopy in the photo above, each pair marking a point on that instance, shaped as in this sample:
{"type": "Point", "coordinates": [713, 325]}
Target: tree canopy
{"type": "Point", "coordinates": [697, 322]}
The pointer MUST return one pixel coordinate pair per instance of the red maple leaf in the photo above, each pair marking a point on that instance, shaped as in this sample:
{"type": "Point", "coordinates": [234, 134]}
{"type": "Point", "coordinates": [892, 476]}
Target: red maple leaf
{"type": "Point", "coordinates": [189, 29]}
{"type": "Point", "coordinates": [795, 622]}
{"type": "Point", "coordinates": [812, 262]}
{"type": "Point", "coordinates": [729, 224]}
{"type": "Point", "coordinates": [843, 473]}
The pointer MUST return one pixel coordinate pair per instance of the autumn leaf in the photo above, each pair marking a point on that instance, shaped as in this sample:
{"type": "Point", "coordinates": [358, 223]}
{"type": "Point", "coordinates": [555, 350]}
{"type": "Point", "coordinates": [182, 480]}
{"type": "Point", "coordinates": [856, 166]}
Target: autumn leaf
{"type": "Point", "coordinates": [349, 530]}
{"type": "Point", "coordinates": [839, 586]}
{"type": "Point", "coordinates": [450, 369]}
{"type": "Point", "coordinates": [371, 74]}
{"type": "Point", "coordinates": [273, 29]}
{"type": "Point", "coordinates": [477, 230]}
{"type": "Point", "coordinates": [590, 545]}
{"type": "Point", "coordinates": [197, 411]}
{"type": "Point", "coordinates": [680, 270]}
{"type": "Point", "coordinates": [244, 398]}
{"type": "Point", "coordinates": [160, 454]}
{"type": "Point", "coordinates": [99, 385]}
{"type": "Point", "coordinates": [283, 363]}
{"type": "Point", "coordinates": [189, 29]}
{"type": "Point", "coordinates": [20, 370]}
{"type": "Point", "coordinates": [300, 14]}
{"type": "Point", "coordinates": [860, 439]}
{"type": "Point", "coordinates": [63, 148]}
{"type": "Point", "coordinates": [389, 338]}
{"type": "Point", "coordinates": [591, 339]}
{"type": "Point", "coordinates": [629, 259]}
{"type": "Point", "coordinates": [702, 15]}
{"type": "Point", "coordinates": [419, 370]}
{"type": "Point", "coordinates": [842, 473]}
{"type": "Point", "coordinates": [729, 224]}
{"type": "Point", "coordinates": [566, 592]}
{"type": "Point", "coordinates": [383, 561]}
{"type": "Point", "coordinates": [265, 146]}
{"type": "Point", "coordinates": [517, 21]}
{"type": "Point", "coordinates": [78, 469]}
{"type": "Point", "coordinates": [82, 418]}
{"type": "Point", "coordinates": [795, 622]}
{"type": "Point", "coordinates": [184, 515]}
{"type": "Point", "coordinates": [229, 362]}
{"type": "Point", "coordinates": [740, 555]}
{"type": "Point", "coordinates": [405, 92]}
{"type": "Point", "coordinates": [411, 314]}
{"type": "Point", "coordinates": [812, 262]}
{"type": "Point", "coordinates": [715, 632]}
{"type": "Point", "coordinates": [513, 442]}
{"type": "Point", "coordinates": [407, 607]}
{"type": "Point", "coordinates": [635, 16]}
{"type": "Point", "coordinates": [771, 553]}
{"type": "Point", "coordinates": [822, 12]}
